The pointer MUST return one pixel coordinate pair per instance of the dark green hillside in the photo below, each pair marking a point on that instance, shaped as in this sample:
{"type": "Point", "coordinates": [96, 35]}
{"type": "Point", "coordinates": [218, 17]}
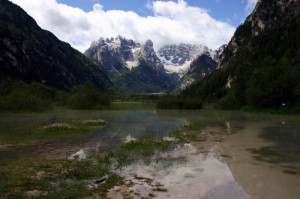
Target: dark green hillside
{"type": "Point", "coordinates": [32, 54]}
{"type": "Point", "coordinates": [260, 67]}
{"type": "Point", "coordinates": [143, 79]}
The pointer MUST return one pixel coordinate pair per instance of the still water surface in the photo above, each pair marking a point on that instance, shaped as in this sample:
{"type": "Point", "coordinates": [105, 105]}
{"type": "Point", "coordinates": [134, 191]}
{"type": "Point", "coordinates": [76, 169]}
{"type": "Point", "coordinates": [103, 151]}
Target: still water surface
{"type": "Point", "coordinates": [256, 155]}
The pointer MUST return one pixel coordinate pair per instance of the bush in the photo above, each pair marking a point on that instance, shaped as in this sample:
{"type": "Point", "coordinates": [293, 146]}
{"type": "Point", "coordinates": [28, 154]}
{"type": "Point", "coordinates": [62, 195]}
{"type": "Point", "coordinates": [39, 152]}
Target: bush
{"type": "Point", "coordinates": [19, 96]}
{"type": "Point", "coordinates": [62, 98]}
{"type": "Point", "coordinates": [229, 102]}
{"type": "Point", "coordinates": [179, 102]}
{"type": "Point", "coordinates": [23, 101]}
{"type": "Point", "coordinates": [86, 96]}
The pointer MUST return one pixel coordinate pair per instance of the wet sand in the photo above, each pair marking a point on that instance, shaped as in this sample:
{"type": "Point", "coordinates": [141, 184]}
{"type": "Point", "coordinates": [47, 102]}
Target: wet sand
{"type": "Point", "coordinates": [260, 179]}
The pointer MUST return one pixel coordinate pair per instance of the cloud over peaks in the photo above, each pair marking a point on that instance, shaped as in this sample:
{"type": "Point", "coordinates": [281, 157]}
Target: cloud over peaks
{"type": "Point", "coordinates": [172, 22]}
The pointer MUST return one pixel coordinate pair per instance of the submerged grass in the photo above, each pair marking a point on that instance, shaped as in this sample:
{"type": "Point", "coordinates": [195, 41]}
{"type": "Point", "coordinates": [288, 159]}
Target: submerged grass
{"type": "Point", "coordinates": [134, 150]}
{"type": "Point", "coordinates": [190, 133]}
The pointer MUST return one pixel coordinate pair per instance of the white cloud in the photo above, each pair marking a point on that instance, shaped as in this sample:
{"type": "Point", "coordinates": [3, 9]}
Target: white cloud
{"type": "Point", "coordinates": [250, 6]}
{"type": "Point", "coordinates": [173, 22]}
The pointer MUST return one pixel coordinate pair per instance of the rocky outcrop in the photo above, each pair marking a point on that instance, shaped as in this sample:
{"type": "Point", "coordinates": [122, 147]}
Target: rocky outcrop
{"type": "Point", "coordinates": [115, 55]}
{"type": "Point", "coordinates": [216, 54]}
{"type": "Point", "coordinates": [200, 68]}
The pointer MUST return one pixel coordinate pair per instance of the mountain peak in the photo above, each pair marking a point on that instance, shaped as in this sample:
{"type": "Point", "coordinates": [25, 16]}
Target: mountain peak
{"type": "Point", "coordinates": [149, 43]}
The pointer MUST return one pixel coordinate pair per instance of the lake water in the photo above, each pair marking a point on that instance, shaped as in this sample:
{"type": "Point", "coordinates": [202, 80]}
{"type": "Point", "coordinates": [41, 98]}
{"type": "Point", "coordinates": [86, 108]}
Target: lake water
{"type": "Point", "coordinates": [255, 155]}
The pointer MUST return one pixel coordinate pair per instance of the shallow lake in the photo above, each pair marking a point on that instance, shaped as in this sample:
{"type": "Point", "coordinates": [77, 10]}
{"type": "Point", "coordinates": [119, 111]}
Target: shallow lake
{"type": "Point", "coordinates": [255, 155]}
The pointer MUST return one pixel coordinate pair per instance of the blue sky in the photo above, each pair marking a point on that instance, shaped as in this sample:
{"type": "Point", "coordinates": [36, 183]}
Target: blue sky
{"type": "Point", "coordinates": [80, 22]}
{"type": "Point", "coordinates": [232, 11]}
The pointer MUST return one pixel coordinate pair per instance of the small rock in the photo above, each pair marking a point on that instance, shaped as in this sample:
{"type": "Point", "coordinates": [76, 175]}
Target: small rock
{"type": "Point", "coordinates": [129, 138]}
{"type": "Point", "coordinates": [187, 145]}
{"type": "Point", "coordinates": [102, 179]}
{"type": "Point", "coordinates": [91, 186]}
{"type": "Point", "coordinates": [79, 155]}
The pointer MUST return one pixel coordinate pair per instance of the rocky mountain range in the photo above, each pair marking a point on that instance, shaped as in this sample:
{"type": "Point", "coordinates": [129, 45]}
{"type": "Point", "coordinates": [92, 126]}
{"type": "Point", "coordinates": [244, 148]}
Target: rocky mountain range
{"type": "Point", "coordinates": [32, 54]}
{"type": "Point", "coordinates": [127, 63]}
{"type": "Point", "coordinates": [131, 66]}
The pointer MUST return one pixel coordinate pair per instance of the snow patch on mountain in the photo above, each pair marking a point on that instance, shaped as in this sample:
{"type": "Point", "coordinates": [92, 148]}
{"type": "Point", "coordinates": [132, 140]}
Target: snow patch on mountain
{"type": "Point", "coordinates": [178, 69]}
{"type": "Point", "coordinates": [178, 58]}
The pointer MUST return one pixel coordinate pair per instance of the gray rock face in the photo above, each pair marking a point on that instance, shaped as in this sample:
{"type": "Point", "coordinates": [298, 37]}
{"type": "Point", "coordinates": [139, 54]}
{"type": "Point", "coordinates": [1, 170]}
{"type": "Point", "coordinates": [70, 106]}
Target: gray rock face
{"type": "Point", "coordinates": [113, 54]}
{"type": "Point", "coordinates": [148, 54]}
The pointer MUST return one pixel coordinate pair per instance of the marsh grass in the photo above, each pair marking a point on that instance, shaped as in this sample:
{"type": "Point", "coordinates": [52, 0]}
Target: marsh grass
{"type": "Point", "coordinates": [56, 130]}
{"type": "Point", "coordinates": [58, 126]}
{"type": "Point", "coordinates": [134, 150]}
{"type": "Point", "coordinates": [193, 127]}
{"type": "Point", "coordinates": [190, 136]}
{"type": "Point", "coordinates": [49, 131]}
{"type": "Point", "coordinates": [96, 122]}
{"type": "Point", "coordinates": [63, 178]}
{"type": "Point", "coordinates": [60, 178]}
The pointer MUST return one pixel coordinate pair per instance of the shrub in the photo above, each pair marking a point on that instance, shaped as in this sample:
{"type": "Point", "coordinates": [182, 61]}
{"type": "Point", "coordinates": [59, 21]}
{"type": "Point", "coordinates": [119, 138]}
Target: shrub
{"type": "Point", "coordinates": [229, 102]}
{"type": "Point", "coordinates": [86, 96]}
{"type": "Point", "coordinates": [62, 98]}
{"type": "Point", "coordinates": [19, 96]}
